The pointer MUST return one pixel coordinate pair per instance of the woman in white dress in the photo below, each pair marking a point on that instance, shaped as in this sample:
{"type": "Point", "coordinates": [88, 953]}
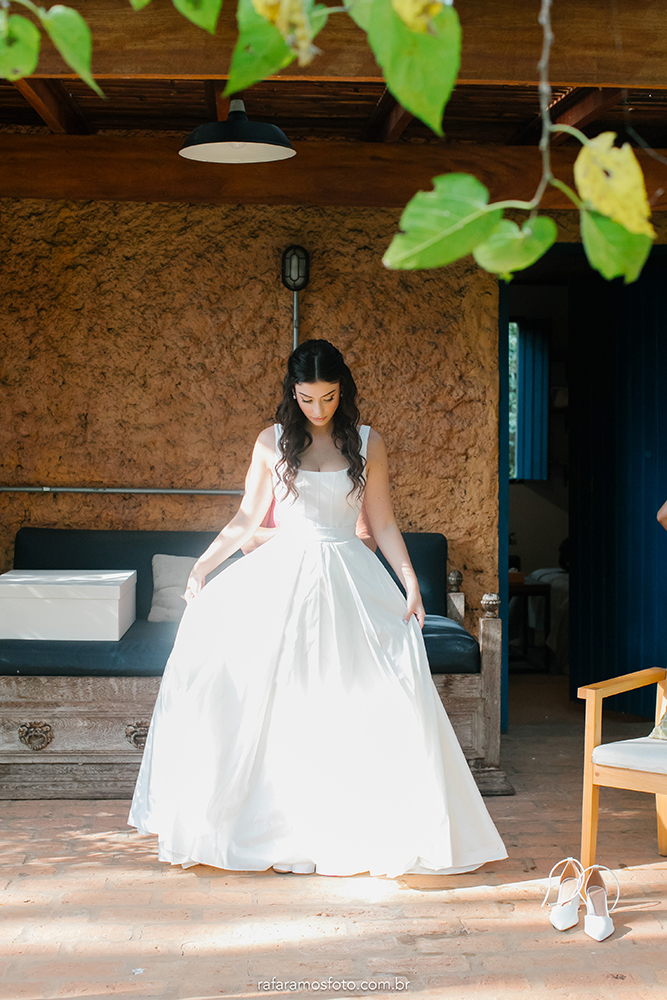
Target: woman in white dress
{"type": "Point", "coordinates": [297, 724]}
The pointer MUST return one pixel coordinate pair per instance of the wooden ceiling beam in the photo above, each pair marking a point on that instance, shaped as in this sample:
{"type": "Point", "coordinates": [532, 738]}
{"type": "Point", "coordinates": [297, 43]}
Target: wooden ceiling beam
{"type": "Point", "coordinates": [592, 104]}
{"type": "Point", "coordinates": [530, 132]}
{"type": "Point", "coordinates": [387, 121]}
{"type": "Point", "coordinates": [149, 169]}
{"type": "Point", "coordinates": [501, 45]}
{"type": "Point", "coordinates": [217, 106]}
{"type": "Point", "coordinates": [578, 108]}
{"type": "Point", "coordinates": [55, 105]}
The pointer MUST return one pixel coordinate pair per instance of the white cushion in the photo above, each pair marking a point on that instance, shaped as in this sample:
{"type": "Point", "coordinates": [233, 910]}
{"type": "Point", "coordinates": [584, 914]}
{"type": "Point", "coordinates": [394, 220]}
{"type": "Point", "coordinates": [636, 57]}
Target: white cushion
{"type": "Point", "coordinates": [170, 577]}
{"type": "Point", "coordinates": [643, 754]}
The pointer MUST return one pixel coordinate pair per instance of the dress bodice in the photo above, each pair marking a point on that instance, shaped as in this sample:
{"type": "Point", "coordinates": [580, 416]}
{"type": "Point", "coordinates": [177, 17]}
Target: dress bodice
{"type": "Point", "coordinates": [325, 506]}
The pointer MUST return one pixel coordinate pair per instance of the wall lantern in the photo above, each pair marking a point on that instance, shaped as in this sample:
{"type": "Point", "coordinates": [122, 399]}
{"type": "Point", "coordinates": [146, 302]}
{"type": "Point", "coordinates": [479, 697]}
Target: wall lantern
{"type": "Point", "coordinates": [295, 274]}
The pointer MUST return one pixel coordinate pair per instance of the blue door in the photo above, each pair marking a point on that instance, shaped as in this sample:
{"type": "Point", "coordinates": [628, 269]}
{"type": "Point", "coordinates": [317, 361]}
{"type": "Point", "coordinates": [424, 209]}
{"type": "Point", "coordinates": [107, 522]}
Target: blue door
{"type": "Point", "coordinates": [618, 463]}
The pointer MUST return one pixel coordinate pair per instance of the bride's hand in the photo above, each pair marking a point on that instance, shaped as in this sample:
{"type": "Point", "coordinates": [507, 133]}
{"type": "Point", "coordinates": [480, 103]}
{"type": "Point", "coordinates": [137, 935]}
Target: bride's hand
{"type": "Point", "coordinates": [415, 607]}
{"type": "Point", "coordinates": [194, 585]}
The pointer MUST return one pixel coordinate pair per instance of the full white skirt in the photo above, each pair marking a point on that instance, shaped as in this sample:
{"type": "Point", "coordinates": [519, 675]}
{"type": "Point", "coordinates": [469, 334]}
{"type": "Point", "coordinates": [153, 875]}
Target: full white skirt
{"type": "Point", "coordinates": [297, 721]}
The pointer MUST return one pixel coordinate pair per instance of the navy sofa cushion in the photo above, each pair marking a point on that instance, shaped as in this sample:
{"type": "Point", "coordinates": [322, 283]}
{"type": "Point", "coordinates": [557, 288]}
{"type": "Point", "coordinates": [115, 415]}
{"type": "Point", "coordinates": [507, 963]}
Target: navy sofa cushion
{"type": "Point", "coordinates": [145, 647]}
{"type": "Point", "coordinates": [428, 555]}
{"type": "Point", "coordinates": [142, 652]}
{"type": "Point", "coordinates": [450, 649]}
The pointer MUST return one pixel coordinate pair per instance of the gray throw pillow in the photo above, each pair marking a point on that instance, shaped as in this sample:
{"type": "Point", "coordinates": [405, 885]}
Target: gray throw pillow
{"type": "Point", "coordinates": [170, 577]}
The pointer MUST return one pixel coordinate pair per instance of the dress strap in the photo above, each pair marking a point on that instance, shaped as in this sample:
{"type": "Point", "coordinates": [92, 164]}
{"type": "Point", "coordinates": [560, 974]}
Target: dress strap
{"type": "Point", "coordinates": [364, 431]}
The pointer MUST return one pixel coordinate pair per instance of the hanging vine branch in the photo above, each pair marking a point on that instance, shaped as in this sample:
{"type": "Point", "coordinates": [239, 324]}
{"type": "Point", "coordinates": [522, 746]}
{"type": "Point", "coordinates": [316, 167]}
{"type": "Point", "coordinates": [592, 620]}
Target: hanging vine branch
{"type": "Point", "coordinates": [456, 218]}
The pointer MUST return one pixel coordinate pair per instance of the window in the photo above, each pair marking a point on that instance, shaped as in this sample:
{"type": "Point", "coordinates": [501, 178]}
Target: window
{"type": "Point", "coordinates": [528, 399]}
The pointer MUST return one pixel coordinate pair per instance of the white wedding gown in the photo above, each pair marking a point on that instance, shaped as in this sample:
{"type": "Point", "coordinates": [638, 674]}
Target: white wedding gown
{"type": "Point", "coordinates": [297, 720]}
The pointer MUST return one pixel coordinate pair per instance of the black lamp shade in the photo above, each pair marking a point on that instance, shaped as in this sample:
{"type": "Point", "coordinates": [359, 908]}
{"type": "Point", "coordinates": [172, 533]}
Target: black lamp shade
{"type": "Point", "coordinates": [237, 140]}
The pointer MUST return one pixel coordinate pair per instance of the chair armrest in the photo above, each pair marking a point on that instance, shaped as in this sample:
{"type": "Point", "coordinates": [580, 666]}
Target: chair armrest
{"type": "Point", "coordinates": [595, 693]}
{"type": "Point", "coordinates": [626, 682]}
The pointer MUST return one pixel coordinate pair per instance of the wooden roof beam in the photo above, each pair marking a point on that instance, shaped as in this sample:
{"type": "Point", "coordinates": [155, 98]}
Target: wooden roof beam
{"type": "Point", "coordinates": [578, 107]}
{"type": "Point", "coordinates": [55, 105]}
{"type": "Point", "coordinates": [592, 104]}
{"type": "Point", "coordinates": [217, 106]}
{"type": "Point", "coordinates": [502, 43]}
{"type": "Point", "coordinates": [387, 121]}
{"type": "Point", "coordinates": [149, 169]}
{"type": "Point", "coordinates": [530, 132]}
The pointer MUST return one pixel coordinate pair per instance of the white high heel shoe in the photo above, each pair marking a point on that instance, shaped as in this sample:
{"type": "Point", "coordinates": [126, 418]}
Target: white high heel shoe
{"type": "Point", "coordinates": [597, 922]}
{"type": "Point", "coordinates": [565, 908]}
{"type": "Point", "coordinates": [305, 868]}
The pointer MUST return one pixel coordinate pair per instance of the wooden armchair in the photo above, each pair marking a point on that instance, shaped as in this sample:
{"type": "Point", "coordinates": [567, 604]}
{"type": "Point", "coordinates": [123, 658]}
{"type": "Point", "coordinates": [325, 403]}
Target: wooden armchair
{"type": "Point", "coordinates": [639, 764]}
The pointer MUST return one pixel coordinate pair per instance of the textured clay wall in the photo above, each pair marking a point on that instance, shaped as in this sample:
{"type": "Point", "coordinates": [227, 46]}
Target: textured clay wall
{"type": "Point", "coordinates": [143, 345]}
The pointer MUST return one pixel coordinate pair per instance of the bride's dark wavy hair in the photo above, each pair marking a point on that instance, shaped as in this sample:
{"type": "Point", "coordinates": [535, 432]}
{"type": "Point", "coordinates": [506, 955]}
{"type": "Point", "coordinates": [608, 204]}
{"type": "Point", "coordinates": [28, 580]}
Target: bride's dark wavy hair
{"type": "Point", "coordinates": [319, 361]}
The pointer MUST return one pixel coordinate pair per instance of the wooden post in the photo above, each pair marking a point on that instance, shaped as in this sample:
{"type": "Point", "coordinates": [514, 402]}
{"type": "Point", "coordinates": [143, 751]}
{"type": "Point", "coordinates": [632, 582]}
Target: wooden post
{"type": "Point", "coordinates": [456, 601]}
{"type": "Point", "coordinates": [489, 776]}
{"type": "Point", "coordinates": [490, 646]}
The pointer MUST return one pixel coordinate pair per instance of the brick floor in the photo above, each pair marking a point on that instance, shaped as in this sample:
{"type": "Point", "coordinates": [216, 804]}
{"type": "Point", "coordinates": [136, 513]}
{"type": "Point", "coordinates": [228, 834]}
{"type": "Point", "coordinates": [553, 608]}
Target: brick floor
{"type": "Point", "coordinates": [88, 911]}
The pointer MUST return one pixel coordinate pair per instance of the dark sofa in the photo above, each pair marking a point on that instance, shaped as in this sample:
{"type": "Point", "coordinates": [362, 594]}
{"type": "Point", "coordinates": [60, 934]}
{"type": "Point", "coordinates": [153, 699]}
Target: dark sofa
{"type": "Point", "coordinates": [145, 647]}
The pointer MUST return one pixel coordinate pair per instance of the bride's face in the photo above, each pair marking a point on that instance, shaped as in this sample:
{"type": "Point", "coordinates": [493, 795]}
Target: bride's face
{"type": "Point", "coordinates": [318, 401]}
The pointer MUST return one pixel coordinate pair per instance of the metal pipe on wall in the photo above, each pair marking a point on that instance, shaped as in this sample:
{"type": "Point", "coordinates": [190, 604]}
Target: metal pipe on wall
{"type": "Point", "coordinates": [295, 322]}
{"type": "Point", "coordinates": [116, 489]}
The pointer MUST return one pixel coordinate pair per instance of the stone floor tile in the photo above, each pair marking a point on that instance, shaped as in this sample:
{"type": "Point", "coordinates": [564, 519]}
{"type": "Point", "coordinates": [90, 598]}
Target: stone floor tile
{"type": "Point", "coordinates": [53, 970]}
{"type": "Point", "coordinates": [602, 981]}
{"type": "Point", "coordinates": [22, 991]}
{"type": "Point", "coordinates": [107, 897]}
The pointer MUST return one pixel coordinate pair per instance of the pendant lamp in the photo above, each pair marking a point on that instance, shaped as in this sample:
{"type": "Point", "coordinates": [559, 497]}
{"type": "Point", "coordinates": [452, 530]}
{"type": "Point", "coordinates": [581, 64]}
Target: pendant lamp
{"type": "Point", "coordinates": [237, 140]}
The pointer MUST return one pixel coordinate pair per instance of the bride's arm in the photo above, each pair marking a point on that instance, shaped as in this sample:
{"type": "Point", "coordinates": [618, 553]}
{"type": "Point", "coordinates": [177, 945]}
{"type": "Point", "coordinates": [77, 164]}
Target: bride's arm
{"type": "Point", "coordinates": [244, 524]}
{"type": "Point", "coordinates": [377, 502]}
{"type": "Point", "coordinates": [364, 529]}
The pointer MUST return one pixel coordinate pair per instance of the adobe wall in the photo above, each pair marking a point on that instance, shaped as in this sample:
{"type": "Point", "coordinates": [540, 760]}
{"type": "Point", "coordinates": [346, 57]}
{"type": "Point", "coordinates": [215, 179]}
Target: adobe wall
{"type": "Point", "coordinates": [143, 345]}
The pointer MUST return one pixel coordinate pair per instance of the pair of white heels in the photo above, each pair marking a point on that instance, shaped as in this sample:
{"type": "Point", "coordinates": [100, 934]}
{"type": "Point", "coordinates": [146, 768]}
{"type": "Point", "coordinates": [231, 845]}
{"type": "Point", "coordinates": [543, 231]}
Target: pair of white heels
{"type": "Point", "coordinates": [576, 884]}
{"type": "Point", "coordinates": [306, 868]}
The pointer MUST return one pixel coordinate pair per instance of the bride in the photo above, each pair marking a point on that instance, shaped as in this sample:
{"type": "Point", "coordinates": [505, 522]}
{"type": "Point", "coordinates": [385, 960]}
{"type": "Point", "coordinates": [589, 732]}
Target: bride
{"type": "Point", "coordinates": [297, 725]}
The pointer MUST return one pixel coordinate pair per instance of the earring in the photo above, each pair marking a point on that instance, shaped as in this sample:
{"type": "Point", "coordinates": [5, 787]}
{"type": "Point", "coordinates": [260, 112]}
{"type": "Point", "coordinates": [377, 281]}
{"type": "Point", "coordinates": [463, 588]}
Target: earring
{"type": "Point", "coordinates": [293, 395]}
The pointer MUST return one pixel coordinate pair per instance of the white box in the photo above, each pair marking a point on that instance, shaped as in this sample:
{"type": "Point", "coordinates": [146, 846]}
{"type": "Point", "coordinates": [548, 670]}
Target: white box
{"type": "Point", "coordinates": [97, 604]}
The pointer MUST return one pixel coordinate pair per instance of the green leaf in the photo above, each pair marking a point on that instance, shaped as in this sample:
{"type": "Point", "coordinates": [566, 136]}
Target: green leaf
{"type": "Point", "coordinates": [19, 47]}
{"type": "Point", "coordinates": [203, 13]}
{"type": "Point", "coordinates": [420, 68]}
{"type": "Point", "coordinates": [442, 225]}
{"type": "Point", "coordinates": [510, 249]}
{"type": "Point", "coordinates": [260, 49]}
{"type": "Point", "coordinates": [360, 12]}
{"type": "Point", "coordinates": [611, 249]}
{"type": "Point", "coordinates": [139, 4]}
{"type": "Point", "coordinates": [71, 36]}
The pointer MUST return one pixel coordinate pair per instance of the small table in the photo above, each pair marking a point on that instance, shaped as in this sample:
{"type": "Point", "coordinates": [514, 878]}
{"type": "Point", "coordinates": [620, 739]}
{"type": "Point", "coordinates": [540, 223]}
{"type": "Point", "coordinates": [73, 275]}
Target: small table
{"type": "Point", "coordinates": [524, 591]}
